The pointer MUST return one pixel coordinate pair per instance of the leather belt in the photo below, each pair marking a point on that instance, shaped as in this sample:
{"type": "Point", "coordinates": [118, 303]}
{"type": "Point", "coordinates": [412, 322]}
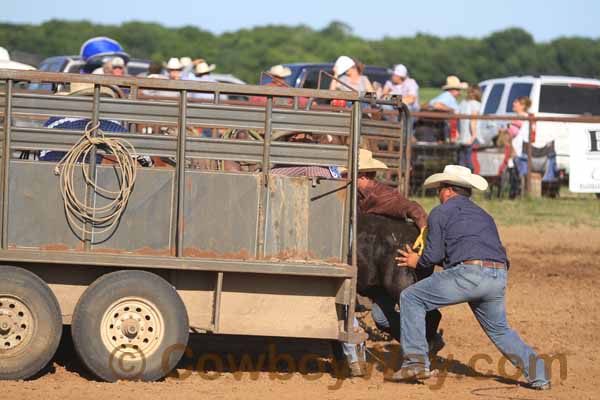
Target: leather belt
{"type": "Point", "coordinates": [487, 264]}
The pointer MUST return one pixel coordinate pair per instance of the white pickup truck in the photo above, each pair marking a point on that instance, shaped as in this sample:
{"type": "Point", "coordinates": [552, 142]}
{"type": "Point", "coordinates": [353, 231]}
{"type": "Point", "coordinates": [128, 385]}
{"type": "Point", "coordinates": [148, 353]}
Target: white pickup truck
{"type": "Point", "coordinates": [558, 96]}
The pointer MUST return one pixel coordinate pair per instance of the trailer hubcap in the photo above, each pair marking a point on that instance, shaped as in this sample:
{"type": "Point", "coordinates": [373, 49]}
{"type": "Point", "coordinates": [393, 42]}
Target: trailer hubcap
{"type": "Point", "coordinates": [132, 325]}
{"type": "Point", "coordinates": [15, 322]}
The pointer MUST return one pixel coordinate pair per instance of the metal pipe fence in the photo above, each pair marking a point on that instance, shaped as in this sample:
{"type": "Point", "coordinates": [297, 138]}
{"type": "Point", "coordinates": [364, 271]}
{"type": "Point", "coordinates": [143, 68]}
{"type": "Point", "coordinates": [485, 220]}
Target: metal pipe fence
{"type": "Point", "coordinates": [431, 155]}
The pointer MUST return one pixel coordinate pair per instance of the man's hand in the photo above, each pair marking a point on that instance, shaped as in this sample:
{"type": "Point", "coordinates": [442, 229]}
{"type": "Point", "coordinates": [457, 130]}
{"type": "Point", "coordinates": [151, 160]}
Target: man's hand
{"type": "Point", "coordinates": [407, 258]}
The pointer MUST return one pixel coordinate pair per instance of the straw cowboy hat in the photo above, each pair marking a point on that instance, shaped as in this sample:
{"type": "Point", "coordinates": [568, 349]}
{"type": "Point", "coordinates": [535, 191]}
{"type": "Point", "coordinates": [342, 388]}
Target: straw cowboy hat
{"type": "Point", "coordinates": [204, 68]}
{"type": "Point", "coordinates": [456, 175]}
{"type": "Point", "coordinates": [343, 64]}
{"type": "Point", "coordinates": [174, 63]}
{"type": "Point", "coordinates": [366, 162]}
{"type": "Point", "coordinates": [280, 71]}
{"type": "Point", "coordinates": [6, 62]}
{"type": "Point", "coordinates": [86, 89]}
{"type": "Point", "coordinates": [452, 82]}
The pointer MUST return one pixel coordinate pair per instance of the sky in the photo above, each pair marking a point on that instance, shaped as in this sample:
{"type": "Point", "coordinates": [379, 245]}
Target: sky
{"type": "Point", "coordinates": [545, 20]}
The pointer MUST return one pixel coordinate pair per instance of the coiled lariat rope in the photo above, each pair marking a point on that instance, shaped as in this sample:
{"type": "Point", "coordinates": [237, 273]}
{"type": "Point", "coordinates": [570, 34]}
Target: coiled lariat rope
{"type": "Point", "coordinates": [104, 218]}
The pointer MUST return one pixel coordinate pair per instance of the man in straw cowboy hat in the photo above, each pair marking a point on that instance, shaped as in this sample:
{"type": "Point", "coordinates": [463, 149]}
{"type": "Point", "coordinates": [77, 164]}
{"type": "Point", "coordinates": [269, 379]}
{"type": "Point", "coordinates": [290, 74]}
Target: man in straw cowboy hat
{"type": "Point", "coordinates": [464, 239]}
{"type": "Point", "coordinates": [174, 68]}
{"type": "Point", "coordinates": [375, 197]}
{"type": "Point", "coordinates": [446, 101]}
{"type": "Point", "coordinates": [278, 74]}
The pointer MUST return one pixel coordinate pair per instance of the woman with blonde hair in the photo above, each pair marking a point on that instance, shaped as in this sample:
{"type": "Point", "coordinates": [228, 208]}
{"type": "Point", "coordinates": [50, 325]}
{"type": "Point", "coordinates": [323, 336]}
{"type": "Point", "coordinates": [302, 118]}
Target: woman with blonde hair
{"type": "Point", "coordinates": [467, 128]}
{"type": "Point", "coordinates": [349, 71]}
{"type": "Point", "coordinates": [519, 133]}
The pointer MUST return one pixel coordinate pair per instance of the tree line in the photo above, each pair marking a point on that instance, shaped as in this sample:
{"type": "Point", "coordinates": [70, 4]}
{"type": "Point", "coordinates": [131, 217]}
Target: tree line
{"type": "Point", "coordinates": [246, 52]}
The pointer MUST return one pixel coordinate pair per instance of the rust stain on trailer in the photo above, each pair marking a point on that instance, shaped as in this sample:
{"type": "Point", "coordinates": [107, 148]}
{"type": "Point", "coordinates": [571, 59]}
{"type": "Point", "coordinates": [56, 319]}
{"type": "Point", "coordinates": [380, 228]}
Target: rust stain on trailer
{"type": "Point", "coordinates": [149, 251]}
{"type": "Point", "coordinates": [198, 253]}
{"type": "Point", "coordinates": [144, 251]}
{"type": "Point", "coordinates": [306, 257]}
{"type": "Point", "coordinates": [341, 195]}
{"type": "Point", "coordinates": [57, 247]}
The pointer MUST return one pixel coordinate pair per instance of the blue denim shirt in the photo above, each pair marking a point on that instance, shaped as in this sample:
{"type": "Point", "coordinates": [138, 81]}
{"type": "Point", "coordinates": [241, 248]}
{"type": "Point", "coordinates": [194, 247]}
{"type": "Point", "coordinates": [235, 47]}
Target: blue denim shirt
{"type": "Point", "coordinates": [446, 99]}
{"type": "Point", "coordinates": [459, 230]}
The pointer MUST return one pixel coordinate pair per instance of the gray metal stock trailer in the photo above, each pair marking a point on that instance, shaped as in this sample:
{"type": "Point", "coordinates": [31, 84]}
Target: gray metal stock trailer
{"type": "Point", "coordinates": [241, 251]}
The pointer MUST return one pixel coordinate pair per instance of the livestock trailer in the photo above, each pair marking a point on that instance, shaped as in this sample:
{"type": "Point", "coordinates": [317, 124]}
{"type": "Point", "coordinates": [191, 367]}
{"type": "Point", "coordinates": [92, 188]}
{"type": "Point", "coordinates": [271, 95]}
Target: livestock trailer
{"type": "Point", "coordinates": [241, 251]}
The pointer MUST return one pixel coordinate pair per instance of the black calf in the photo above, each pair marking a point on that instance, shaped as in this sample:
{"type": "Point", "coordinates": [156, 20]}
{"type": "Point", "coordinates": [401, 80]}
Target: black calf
{"type": "Point", "coordinates": [378, 240]}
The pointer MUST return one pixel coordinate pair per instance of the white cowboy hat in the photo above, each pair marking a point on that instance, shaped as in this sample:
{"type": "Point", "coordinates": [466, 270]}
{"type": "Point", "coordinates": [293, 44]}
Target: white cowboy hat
{"type": "Point", "coordinates": [452, 82]}
{"type": "Point", "coordinates": [280, 71]}
{"type": "Point", "coordinates": [204, 68]}
{"type": "Point", "coordinates": [366, 162]}
{"type": "Point", "coordinates": [5, 62]}
{"type": "Point", "coordinates": [86, 89]}
{"type": "Point", "coordinates": [174, 64]}
{"type": "Point", "coordinates": [456, 175]}
{"type": "Point", "coordinates": [343, 64]}
{"type": "Point", "coordinates": [401, 71]}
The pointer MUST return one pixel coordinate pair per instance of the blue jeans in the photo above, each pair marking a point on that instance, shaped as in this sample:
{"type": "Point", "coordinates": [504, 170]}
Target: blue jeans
{"type": "Point", "coordinates": [354, 352]}
{"type": "Point", "coordinates": [484, 289]}
{"type": "Point", "coordinates": [465, 156]}
{"type": "Point", "coordinates": [385, 315]}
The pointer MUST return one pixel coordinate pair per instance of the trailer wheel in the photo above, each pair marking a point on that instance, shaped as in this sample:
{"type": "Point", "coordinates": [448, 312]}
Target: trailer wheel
{"type": "Point", "coordinates": [30, 323]}
{"type": "Point", "coordinates": [130, 325]}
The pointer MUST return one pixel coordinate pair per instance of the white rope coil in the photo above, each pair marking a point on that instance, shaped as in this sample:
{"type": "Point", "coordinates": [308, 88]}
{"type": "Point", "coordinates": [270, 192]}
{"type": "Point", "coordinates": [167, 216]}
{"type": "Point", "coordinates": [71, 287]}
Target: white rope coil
{"type": "Point", "coordinates": [103, 218]}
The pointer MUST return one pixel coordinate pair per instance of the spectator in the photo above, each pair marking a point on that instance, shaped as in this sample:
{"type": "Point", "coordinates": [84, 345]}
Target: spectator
{"type": "Point", "coordinates": [519, 134]}
{"type": "Point", "coordinates": [446, 101]}
{"type": "Point", "coordinates": [519, 130]}
{"type": "Point", "coordinates": [118, 67]}
{"type": "Point", "coordinates": [401, 84]}
{"type": "Point", "coordinates": [174, 68]}
{"type": "Point", "coordinates": [155, 70]}
{"type": "Point", "coordinates": [278, 73]}
{"type": "Point", "coordinates": [349, 72]}
{"type": "Point", "coordinates": [202, 71]}
{"type": "Point", "coordinates": [202, 74]}
{"type": "Point", "coordinates": [467, 128]}
{"type": "Point", "coordinates": [187, 68]}
{"type": "Point", "coordinates": [185, 62]}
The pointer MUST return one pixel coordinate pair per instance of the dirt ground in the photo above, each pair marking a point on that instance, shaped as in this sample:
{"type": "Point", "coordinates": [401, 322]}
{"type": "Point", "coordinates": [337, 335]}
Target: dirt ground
{"type": "Point", "coordinates": [553, 302]}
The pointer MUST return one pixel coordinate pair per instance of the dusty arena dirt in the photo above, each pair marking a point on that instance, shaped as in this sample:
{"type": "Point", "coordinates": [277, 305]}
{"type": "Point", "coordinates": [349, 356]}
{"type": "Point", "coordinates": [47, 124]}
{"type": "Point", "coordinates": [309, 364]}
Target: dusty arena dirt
{"type": "Point", "coordinates": [553, 302]}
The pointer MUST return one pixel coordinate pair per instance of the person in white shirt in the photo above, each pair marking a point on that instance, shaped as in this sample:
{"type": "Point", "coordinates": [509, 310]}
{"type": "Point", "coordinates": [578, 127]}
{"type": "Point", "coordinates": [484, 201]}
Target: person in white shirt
{"type": "Point", "coordinates": [467, 128]}
{"type": "Point", "coordinates": [401, 84]}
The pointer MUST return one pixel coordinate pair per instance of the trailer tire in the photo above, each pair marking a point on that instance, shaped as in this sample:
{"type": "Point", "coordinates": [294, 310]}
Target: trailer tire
{"type": "Point", "coordinates": [130, 325]}
{"type": "Point", "coordinates": [30, 323]}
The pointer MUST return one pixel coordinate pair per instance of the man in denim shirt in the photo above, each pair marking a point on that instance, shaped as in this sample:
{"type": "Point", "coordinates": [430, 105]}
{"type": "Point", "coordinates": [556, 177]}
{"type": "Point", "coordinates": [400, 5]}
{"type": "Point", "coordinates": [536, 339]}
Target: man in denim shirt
{"type": "Point", "coordinates": [464, 239]}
